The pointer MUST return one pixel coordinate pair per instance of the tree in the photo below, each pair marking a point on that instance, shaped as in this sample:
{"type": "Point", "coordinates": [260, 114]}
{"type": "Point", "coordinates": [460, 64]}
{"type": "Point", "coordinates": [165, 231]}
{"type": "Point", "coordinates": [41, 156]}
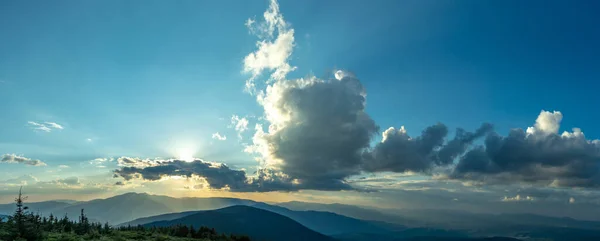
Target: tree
{"type": "Point", "coordinates": [84, 224]}
{"type": "Point", "coordinates": [19, 216]}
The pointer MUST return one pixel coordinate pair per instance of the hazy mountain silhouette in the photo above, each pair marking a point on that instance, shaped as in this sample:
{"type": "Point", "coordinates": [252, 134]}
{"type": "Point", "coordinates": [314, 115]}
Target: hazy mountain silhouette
{"type": "Point", "coordinates": [448, 219]}
{"type": "Point", "coordinates": [327, 222]}
{"type": "Point", "coordinates": [259, 224]}
{"type": "Point", "coordinates": [127, 207]}
{"type": "Point", "coordinates": [162, 217]}
{"type": "Point", "coordinates": [44, 208]}
{"type": "Point", "coordinates": [345, 222]}
{"type": "Point", "coordinates": [457, 239]}
{"type": "Point", "coordinates": [354, 212]}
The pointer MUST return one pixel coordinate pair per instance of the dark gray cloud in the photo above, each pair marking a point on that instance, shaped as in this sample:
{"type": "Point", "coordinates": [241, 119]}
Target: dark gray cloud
{"type": "Point", "coordinates": [398, 152]}
{"type": "Point", "coordinates": [318, 130]}
{"type": "Point", "coordinates": [463, 140]}
{"type": "Point", "coordinates": [568, 160]}
{"type": "Point", "coordinates": [218, 176]}
{"type": "Point", "coordinates": [12, 158]}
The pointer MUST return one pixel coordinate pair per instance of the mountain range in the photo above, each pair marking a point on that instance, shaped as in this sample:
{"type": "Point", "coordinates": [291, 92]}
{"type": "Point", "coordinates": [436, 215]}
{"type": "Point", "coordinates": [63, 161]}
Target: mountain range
{"type": "Point", "coordinates": [342, 222]}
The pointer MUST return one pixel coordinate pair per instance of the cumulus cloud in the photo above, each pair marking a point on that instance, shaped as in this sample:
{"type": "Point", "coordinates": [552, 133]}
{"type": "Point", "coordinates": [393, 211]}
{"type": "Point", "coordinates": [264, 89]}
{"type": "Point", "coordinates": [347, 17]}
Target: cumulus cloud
{"type": "Point", "coordinates": [275, 45]}
{"type": "Point", "coordinates": [12, 158]}
{"type": "Point", "coordinates": [546, 123]}
{"type": "Point", "coordinates": [135, 162]}
{"type": "Point", "coordinates": [46, 126]}
{"type": "Point", "coordinates": [219, 137]}
{"type": "Point", "coordinates": [538, 155]}
{"type": "Point", "coordinates": [317, 130]}
{"type": "Point", "coordinates": [398, 152]}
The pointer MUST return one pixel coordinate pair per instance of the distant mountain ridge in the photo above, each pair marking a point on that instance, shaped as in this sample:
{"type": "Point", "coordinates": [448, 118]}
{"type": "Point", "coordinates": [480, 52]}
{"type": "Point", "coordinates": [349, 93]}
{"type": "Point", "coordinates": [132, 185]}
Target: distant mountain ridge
{"type": "Point", "coordinates": [127, 207]}
{"type": "Point", "coordinates": [344, 222]}
{"type": "Point", "coordinates": [323, 222]}
{"type": "Point", "coordinates": [259, 224]}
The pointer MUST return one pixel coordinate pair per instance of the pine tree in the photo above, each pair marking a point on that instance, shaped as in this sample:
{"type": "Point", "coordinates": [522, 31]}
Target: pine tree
{"type": "Point", "coordinates": [19, 216]}
{"type": "Point", "coordinates": [106, 229]}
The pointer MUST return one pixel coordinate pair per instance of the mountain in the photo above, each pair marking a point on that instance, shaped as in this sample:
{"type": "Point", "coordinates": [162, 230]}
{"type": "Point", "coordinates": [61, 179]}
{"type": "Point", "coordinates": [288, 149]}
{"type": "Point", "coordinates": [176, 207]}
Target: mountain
{"type": "Point", "coordinates": [163, 217]}
{"type": "Point", "coordinates": [120, 208]}
{"type": "Point", "coordinates": [127, 207]}
{"type": "Point", "coordinates": [3, 217]}
{"type": "Point", "coordinates": [327, 223]}
{"type": "Point", "coordinates": [355, 212]}
{"type": "Point", "coordinates": [256, 223]}
{"type": "Point", "coordinates": [43, 208]}
{"type": "Point", "coordinates": [442, 218]}
{"type": "Point", "coordinates": [458, 239]}
{"type": "Point", "coordinates": [323, 222]}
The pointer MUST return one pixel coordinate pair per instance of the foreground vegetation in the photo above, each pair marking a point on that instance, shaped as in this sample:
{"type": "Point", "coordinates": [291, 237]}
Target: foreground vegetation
{"type": "Point", "coordinates": [27, 226]}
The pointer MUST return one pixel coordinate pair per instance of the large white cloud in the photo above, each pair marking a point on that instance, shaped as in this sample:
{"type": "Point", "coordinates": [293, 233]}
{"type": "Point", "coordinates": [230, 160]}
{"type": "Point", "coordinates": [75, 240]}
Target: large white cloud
{"type": "Point", "coordinates": [274, 47]}
{"type": "Point", "coordinates": [317, 130]}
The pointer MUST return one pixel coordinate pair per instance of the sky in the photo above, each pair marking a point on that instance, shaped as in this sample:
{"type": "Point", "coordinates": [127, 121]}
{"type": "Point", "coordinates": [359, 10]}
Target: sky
{"type": "Point", "coordinates": [466, 105]}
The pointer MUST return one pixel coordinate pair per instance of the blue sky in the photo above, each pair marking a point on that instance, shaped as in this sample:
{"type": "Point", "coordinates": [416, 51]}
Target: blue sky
{"type": "Point", "coordinates": [157, 78]}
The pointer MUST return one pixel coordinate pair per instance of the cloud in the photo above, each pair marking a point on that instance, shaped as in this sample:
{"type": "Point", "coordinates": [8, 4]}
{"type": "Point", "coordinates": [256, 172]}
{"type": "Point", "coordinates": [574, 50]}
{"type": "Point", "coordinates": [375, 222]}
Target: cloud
{"type": "Point", "coordinates": [101, 161]}
{"type": "Point", "coordinates": [46, 126]}
{"type": "Point", "coordinates": [239, 124]}
{"type": "Point", "coordinates": [317, 130]}
{"type": "Point", "coordinates": [54, 125]}
{"type": "Point", "coordinates": [539, 155]}
{"type": "Point", "coordinates": [12, 158]}
{"type": "Point", "coordinates": [70, 181]}
{"type": "Point", "coordinates": [274, 47]}
{"type": "Point", "coordinates": [517, 198]}
{"type": "Point", "coordinates": [63, 166]}
{"type": "Point", "coordinates": [21, 181]}
{"type": "Point", "coordinates": [39, 127]}
{"type": "Point", "coordinates": [219, 136]}
{"type": "Point", "coordinates": [546, 123]}
{"type": "Point", "coordinates": [217, 176]}
{"type": "Point", "coordinates": [317, 133]}
{"type": "Point", "coordinates": [398, 152]}
{"type": "Point", "coordinates": [135, 162]}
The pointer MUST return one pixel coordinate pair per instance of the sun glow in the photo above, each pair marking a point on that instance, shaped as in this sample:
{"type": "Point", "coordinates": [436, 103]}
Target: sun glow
{"type": "Point", "coordinates": [185, 154]}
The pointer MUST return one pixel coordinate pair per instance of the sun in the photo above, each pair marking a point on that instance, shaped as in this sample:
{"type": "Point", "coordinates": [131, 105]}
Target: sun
{"type": "Point", "coordinates": [185, 154]}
